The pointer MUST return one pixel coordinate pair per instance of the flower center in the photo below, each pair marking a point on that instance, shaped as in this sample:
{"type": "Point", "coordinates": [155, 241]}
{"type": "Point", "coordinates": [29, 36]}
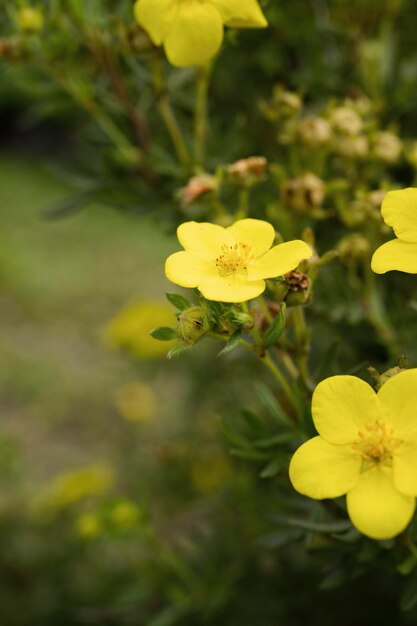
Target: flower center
{"type": "Point", "coordinates": [234, 258]}
{"type": "Point", "coordinates": [376, 443]}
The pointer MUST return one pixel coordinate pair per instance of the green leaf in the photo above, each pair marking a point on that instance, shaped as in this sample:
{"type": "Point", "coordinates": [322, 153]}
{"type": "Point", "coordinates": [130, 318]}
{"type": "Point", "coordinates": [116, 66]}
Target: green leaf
{"type": "Point", "coordinates": [178, 301]}
{"type": "Point", "coordinates": [232, 343]}
{"type": "Point", "coordinates": [249, 454]}
{"type": "Point", "coordinates": [272, 469]}
{"type": "Point", "coordinates": [272, 405]}
{"type": "Point", "coordinates": [276, 329]}
{"type": "Point", "coordinates": [406, 567]}
{"type": "Point", "coordinates": [177, 350]}
{"type": "Point", "coordinates": [327, 528]}
{"type": "Point", "coordinates": [409, 598]}
{"type": "Point", "coordinates": [164, 333]}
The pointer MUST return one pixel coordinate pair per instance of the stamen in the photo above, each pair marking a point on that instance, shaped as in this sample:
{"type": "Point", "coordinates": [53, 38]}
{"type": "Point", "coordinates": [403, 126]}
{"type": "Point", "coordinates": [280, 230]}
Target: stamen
{"type": "Point", "coordinates": [376, 443]}
{"type": "Point", "coordinates": [234, 258]}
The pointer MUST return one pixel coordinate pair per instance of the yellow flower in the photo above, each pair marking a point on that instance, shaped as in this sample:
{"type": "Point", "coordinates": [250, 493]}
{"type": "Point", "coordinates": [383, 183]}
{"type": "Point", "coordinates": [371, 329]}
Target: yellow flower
{"type": "Point", "coordinates": [192, 30]}
{"type": "Point", "coordinates": [88, 525]}
{"type": "Point", "coordinates": [136, 402]}
{"type": "Point", "coordinates": [399, 210]}
{"type": "Point", "coordinates": [131, 327]}
{"type": "Point", "coordinates": [231, 264]}
{"type": "Point", "coordinates": [30, 20]}
{"type": "Point", "coordinates": [366, 448]}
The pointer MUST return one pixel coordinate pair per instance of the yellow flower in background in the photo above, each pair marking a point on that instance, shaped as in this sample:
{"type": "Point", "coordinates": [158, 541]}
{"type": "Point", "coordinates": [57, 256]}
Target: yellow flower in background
{"type": "Point", "coordinates": [131, 327]}
{"type": "Point", "coordinates": [191, 31]}
{"type": "Point", "coordinates": [399, 210]}
{"type": "Point", "coordinates": [30, 20]}
{"type": "Point", "coordinates": [89, 526]}
{"type": "Point", "coordinates": [72, 487]}
{"type": "Point", "coordinates": [366, 448]}
{"type": "Point", "coordinates": [136, 402]}
{"type": "Point", "coordinates": [231, 264]}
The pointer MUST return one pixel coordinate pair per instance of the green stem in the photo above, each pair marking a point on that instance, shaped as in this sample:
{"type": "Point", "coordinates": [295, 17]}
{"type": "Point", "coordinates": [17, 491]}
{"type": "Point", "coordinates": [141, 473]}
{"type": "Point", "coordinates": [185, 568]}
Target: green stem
{"type": "Point", "coordinates": [268, 361]}
{"type": "Point", "coordinates": [167, 114]}
{"type": "Point", "coordinates": [280, 378]}
{"type": "Point", "coordinates": [201, 114]}
{"type": "Point", "coordinates": [303, 345]}
{"type": "Point", "coordinates": [243, 208]}
{"type": "Point", "coordinates": [377, 314]}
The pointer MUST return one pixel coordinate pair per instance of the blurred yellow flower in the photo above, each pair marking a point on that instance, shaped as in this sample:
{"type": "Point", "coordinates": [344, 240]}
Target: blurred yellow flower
{"type": "Point", "coordinates": [136, 402]}
{"type": "Point", "coordinates": [126, 514]}
{"type": "Point", "coordinates": [191, 31]}
{"type": "Point", "coordinates": [210, 474]}
{"type": "Point", "coordinates": [88, 525]}
{"type": "Point", "coordinates": [30, 19]}
{"type": "Point", "coordinates": [231, 264]}
{"type": "Point", "coordinates": [131, 327]}
{"type": "Point", "coordinates": [399, 210]}
{"type": "Point", "coordinates": [366, 448]}
{"type": "Point", "coordinates": [69, 488]}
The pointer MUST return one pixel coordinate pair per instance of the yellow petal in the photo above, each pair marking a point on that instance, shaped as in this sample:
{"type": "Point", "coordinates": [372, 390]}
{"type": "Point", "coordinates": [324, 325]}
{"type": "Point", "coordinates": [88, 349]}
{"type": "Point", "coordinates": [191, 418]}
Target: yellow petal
{"type": "Point", "coordinates": [322, 470]}
{"type": "Point", "coordinates": [395, 255]}
{"type": "Point", "coordinates": [196, 34]}
{"type": "Point", "coordinates": [259, 235]}
{"type": "Point", "coordinates": [203, 238]}
{"type": "Point", "coordinates": [399, 210]}
{"type": "Point", "coordinates": [398, 400]}
{"type": "Point", "coordinates": [156, 17]}
{"type": "Point", "coordinates": [279, 260]}
{"type": "Point", "coordinates": [341, 405]}
{"type": "Point", "coordinates": [241, 13]}
{"type": "Point", "coordinates": [232, 288]}
{"type": "Point", "coordinates": [188, 269]}
{"type": "Point", "coordinates": [405, 469]}
{"type": "Point", "coordinates": [376, 508]}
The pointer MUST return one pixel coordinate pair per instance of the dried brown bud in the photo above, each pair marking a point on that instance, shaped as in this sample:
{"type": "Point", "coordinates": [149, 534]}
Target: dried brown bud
{"type": "Point", "coordinates": [254, 166]}
{"type": "Point", "coordinates": [346, 121]}
{"type": "Point", "coordinates": [197, 187]}
{"type": "Point", "coordinates": [314, 131]}
{"type": "Point", "coordinates": [387, 147]}
{"type": "Point", "coordinates": [303, 193]}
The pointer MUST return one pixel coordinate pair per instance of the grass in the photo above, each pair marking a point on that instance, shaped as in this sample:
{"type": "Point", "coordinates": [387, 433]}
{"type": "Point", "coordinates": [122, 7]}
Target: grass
{"type": "Point", "coordinates": [60, 282]}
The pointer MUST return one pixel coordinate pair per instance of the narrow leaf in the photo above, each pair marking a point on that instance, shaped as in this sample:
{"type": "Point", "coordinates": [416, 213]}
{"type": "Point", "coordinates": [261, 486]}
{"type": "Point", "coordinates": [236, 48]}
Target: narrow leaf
{"type": "Point", "coordinates": [276, 329]}
{"type": "Point", "coordinates": [272, 406]}
{"type": "Point", "coordinates": [232, 343]}
{"type": "Point", "coordinates": [177, 350]}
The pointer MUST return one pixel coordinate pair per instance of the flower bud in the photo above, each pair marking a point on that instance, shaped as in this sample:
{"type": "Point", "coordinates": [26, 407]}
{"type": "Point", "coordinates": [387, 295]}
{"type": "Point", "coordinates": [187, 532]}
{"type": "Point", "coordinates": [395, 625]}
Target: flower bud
{"type": "Point", "coordinates": [192, 324]}
{"type": "Point", "coordinates": [346, 121]}
{"type": "Point", "coordinates": [303, 193]}
{"type": "Point", "coordinates": [390, 373]}
{"type": "Point", "coordinates": [353, 247]}
{"type": "Point", "coordinates": [299, 288]}
{"type": "Point", "coordinates": [314, 131]}
{"type": "Point", "coordinates": [353, 147]}
{"type": "Point", "coordinates": [387, 147]}
{"type": "Point", "coordinates": [252, 166]}
{"type": "Point", "coordinates": [284, 105]}
{"type": "Point", "coordinates": [196, 187]}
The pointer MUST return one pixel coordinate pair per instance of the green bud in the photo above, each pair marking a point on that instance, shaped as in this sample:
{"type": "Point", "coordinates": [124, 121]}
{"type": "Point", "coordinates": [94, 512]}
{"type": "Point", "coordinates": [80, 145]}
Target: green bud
{"type": "Point", "coordinates": [192, 324]}
{"type": "Point", "coordinates": [353, 247]}
{"type": "Point", "coordinates": [390, 373]}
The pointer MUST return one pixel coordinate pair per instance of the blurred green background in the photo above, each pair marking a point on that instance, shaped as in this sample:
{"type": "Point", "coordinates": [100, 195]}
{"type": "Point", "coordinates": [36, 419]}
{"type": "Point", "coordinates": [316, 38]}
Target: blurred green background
{"type": "Point", "coordinates": [121, 503]}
